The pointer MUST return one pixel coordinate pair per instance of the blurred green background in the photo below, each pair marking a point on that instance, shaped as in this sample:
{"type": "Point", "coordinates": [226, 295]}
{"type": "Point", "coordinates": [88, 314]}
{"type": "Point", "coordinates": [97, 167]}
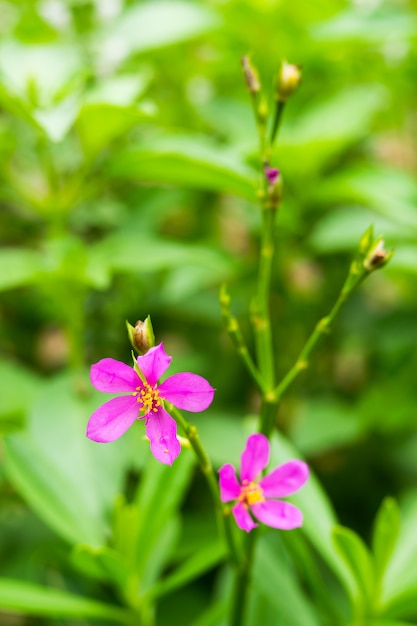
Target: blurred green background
{"type": "Point", "coordinates": [128, 171]}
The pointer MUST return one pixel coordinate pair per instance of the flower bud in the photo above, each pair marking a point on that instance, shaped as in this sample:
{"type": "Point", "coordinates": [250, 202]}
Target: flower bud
{"type": "Point", "coordinates": [141, 336]}
{"type": "Point", "coordinates": [377, 256]}
{"type": "Point", "coordinates": [251, 75]}
{"type": "Point", "coordinates": [289, 78]}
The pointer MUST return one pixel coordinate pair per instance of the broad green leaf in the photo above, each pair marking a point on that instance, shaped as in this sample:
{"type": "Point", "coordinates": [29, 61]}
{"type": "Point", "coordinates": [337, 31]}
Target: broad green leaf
{"type": "Point", "coordinates": [99, 124]}
{"type": "Point", "coordinates": [389, 622]}
{"type": "Point", "coordinates": [37, 73]}
{"type": "Point", "coordinates": [150, 25]}
{"type": "Point", "coordinates": [214, 616]}
{"type": "Point", "coordinates": [377, 26]}
{"type": "Point", "coordinates": [128, 251]}
{"type": "Point", "coordinates": [18, 387]}
{"type": "Point", "coordinates": [319, 517]}
{"type": "Point", "coordinates": [70, 481]}
{"type": "Point", "coordinates": [340, 230]}
{"type": "Point", "coordinates": [322, 424]}
{"type": "Point", "coordinates": [194, 162]}
{"type": "Point", "coordinates": [57, 120]}
{"type": "Point", "coordinates": [312, 139]}
{"type": "Point", "coordinates": [358, 558]}
{"type": "Point", "coordinates": [399, 594]}
{"type": "Point", "coordinates": [203, 560]}
{"type": "Point", "coordinates": [275, 581]}
{"type": "Point", "coordinates": [389, 192]}
{"type": "Point", "coordinates": [385, 534]}
{"type": "Point", "coordinates": [31, 599]}
{"type": "Point", "coordinates": [18, 267]}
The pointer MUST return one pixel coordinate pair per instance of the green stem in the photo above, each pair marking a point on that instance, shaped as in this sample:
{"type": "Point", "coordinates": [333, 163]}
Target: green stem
{"type": "Point", "coordinates": [222, 512]}
{"type": "Point", "coordinates": [323, 327]}
{"type": "Point", "coordinates": [241, 582]}
{"type": "Point", "coordinates": [235, 334]}
{"type": "Point", "coordinates": [261, 318]}
{"type": "Point", "coordinates": [279, 109]}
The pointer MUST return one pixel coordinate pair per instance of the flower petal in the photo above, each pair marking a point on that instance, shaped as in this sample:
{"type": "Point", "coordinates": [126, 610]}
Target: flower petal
{"type": "Point", "coordinates": [278, 514]}
{"type": "Point", "coordinates": [228, 483]}
{"type": "Point", "coordinates": [113, 376]}
{"type": "Point", "coordinates": [161, 429]}
{"type": "Point", "coordinates": [187, 391]}
{"type": "Point", "coordinates": [285, 479]}
{"type": "Point", "coordinates": [154, 363]}
{"type": "Point", "coordinates": [254, 457]}
{"type": "Point", "coordinates": [112, 419]}
{"type": "Point", "coordinates": [242, 517]}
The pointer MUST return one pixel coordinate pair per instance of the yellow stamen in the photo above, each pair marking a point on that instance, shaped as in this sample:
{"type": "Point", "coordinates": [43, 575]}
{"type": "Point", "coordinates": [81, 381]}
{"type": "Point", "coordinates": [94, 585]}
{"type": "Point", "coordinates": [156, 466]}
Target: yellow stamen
{"type": "Point", "coordinates": [251, 493]}
{"type": "Point", "coordinates": [148, 398]}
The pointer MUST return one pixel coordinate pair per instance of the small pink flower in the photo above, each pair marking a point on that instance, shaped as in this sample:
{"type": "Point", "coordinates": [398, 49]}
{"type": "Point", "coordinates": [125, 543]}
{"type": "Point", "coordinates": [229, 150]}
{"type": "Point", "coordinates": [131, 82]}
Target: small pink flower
{"type": "Point", "coordinates": [145, 400]}
{"type": "Point", "coordinates": [271, 174]}
{"type": "Point", "coordinates": [255, 495]}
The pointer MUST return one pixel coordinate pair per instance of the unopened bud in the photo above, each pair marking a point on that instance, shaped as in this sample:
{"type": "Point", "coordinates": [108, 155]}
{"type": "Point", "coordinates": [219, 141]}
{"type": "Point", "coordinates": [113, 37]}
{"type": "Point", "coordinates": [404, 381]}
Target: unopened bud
{"type": "Point", "coordinates": [251, 75]}
{"type": "Point", "coordinates": [377, 256]}
{"type": "Point", "coordinates": [289, 78]}
{"type": "Point", "coordinates": [141, 335]}
{"type": "Point", "coordinates": [274, 191]}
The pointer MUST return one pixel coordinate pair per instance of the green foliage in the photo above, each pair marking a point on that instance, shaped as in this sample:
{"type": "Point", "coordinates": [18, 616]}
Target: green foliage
{"type": "Point", "coordinates": [128, 187]}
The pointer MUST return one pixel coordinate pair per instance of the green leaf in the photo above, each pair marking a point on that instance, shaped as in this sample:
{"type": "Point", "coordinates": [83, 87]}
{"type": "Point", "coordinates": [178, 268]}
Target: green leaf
{"type": "Point", "coordinates": [399, 593]}
{"type": "Point", "coordinates": [103, 564]}
{"type": "Point", "coordinates": [56, 121]}
{"type": "Point", "coordinates": [37, 74]}
{"type": "Point", "coordinates": [199, 563]}
{"type": "Point", "coordinates": [377, 26]}
{"type": "Point", "coordinates": [319, 517]}
{"type": "Point", "coordinates": [19, 267]}
{"type": "Point", "coordinates": [151, 25]}
{"type": "Point", "coordinates": [70, 481]}
{"type": "Point", "coordinates": [322, 424]}
{"type": "Point", "coordinates": [312, 139]}
{"type": "Point", "coordinates": [98, 124]}
{"type": "Point", "coordinates": [31, 599]}
{"type": "Point", "coordinates": [275, 581]}
{"type": "Point", "coordinates": [18, 390]}
{"type": "Point", "coordinates": [194, 162]}
{"type": "Point", "coordinates": [385, 534]}
{"type": "Point", "coordinates": [389, 192]}
{"type": "Point", "coordinates": [358, 558]}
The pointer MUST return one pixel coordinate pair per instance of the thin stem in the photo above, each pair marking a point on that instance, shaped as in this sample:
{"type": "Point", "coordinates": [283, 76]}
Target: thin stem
{"type": "Point", "coordinates": [261, 318]}
{"type": "Point", "coordinates": [323, 327]}
{"type": "Point", "coordinates": [241, 582]}
{"type": "Point", "coordinates": [222, 512]}
{"type": "Point", "coordinates": [235, 334]}
{"type": "Point", "coordinates": [279, 109]}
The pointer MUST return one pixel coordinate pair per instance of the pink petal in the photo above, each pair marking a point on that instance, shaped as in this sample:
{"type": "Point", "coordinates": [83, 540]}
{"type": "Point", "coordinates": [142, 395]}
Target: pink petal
{"type": "Point", "coordinates": [114, 376]}
{"type": "Point", "coordinates": [112, 419]}
{"type": "Point", "coordinates": [285, 479]}
{"type": "Point", "coordinates": [278, 514]}
{"type": "Point", "coordinates": [228, 483]}
{"type": "Point", "coordinates": [154, 363]}
{"type": "Point", "coordinates": [161, 429]}
{"type": "Point", "coordinates": [254, 457]}
{"type": "Point", "coordinates": [187, 391]}
{"type": "Point", "coordinates": [242, 517]}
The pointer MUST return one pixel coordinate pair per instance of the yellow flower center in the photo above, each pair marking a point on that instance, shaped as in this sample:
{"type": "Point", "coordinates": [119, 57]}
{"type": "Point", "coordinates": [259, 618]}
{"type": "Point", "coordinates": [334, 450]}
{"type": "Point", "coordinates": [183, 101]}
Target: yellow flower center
{"type": "Point", "coordinates": [148, 398]}
{"type": "Point", "coordinates": [250, 493]}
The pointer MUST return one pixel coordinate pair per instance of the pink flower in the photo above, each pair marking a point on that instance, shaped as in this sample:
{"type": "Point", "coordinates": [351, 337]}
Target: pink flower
{"type": "Point", "coordinates": [255, 495]}
{"type": "Point", "coordinates": [271, 174]}
{"type": "Point", "coordinates": [145, 400]}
